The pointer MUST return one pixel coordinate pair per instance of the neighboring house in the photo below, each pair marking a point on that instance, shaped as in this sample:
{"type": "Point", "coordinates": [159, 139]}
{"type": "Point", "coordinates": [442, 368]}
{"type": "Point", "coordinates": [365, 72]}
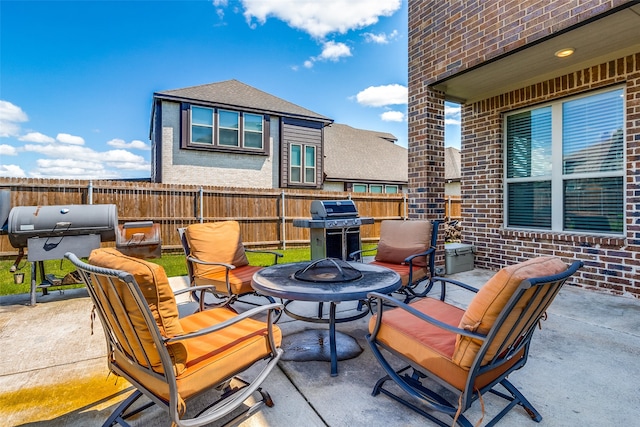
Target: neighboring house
{"type": "Point", "coordinates": [363, 161]}
{"type": "Point", "coordinates": [451, 172]}
{"type": "Point", "coordinates": [550, 152]}
{"type": "Point", "coordinates": [234, 135]}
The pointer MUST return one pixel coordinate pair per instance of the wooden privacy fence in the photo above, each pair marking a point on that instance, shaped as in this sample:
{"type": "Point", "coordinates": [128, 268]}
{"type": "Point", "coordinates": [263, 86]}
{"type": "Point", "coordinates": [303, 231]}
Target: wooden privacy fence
{"type": "Point", "coordinates": [266, 216]}
{"type": "Point", "coordinates": [453, 207]}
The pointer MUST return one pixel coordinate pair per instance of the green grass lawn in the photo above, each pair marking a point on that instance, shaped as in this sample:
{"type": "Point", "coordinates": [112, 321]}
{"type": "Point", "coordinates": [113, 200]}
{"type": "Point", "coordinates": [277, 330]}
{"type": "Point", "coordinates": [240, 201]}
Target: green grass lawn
{"type": "Point", "coordinates": [174, 265]}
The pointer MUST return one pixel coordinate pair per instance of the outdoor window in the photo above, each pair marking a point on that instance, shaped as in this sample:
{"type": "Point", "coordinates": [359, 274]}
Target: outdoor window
{"type": "Point", "coordinates": [302, 164]}
{"type": "Point", "coordinates": [374, 188]}
{"type": "Point", "coordinates": [565, 165]}
{"type": "Point", "coordinates": [391, 189]}
{"type": "Point", "coordinates": [225, 130]}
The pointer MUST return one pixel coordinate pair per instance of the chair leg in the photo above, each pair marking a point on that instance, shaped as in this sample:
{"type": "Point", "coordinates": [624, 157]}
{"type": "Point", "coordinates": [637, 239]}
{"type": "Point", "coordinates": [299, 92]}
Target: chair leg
{"type": "Point", "coordinates": [516, 398]}
{"type": "Point", "coordinates": [118, 416]}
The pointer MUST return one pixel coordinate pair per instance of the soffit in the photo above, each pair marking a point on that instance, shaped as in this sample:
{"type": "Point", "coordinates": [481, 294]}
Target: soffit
{"type": "Point", "coordinates": [607, 38]}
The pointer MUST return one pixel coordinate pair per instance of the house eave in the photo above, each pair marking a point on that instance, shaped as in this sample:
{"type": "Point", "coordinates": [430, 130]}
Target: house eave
{"type": "Point", "coordinates": [612, 35]}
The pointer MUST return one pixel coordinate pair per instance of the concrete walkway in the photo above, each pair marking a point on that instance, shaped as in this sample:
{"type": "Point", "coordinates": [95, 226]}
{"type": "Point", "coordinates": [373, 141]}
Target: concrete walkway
{"type": "Point", "coordinates": [583, 369]}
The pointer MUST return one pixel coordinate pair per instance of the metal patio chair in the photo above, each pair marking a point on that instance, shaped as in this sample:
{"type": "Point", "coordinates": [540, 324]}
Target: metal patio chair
{"type": "Point", "coordinates": [216, 258]}
{"type": "Point", "coordinates": [455, 355]}
{"type": "Point", "coordinates": [169, 359]}
{"type": "Point", "coordinates": [408, 248]}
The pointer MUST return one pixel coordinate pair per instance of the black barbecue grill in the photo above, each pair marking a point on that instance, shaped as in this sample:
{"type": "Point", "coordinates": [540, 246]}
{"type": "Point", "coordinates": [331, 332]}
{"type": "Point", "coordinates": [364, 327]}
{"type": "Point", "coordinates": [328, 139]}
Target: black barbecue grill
{"type": "Point", "coordinates": [48, 232]}
{"type": "Point", "coordinates": [334, 228]}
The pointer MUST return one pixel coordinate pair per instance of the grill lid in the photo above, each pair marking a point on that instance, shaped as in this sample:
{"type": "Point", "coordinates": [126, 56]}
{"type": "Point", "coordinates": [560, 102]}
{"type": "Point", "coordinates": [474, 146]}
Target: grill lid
{"type": "Point", "coordinates": [322, 209]}
{"type": "Point", "coordinates": [328, 270]}
{"type": "Point", "coordinates": [26, 222]}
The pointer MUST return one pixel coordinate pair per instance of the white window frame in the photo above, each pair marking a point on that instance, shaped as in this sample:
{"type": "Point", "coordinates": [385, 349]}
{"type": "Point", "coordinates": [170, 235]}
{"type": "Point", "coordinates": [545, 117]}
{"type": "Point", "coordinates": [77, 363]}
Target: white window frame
{"type": "Point", "coordinates": [303, 164]}
{"type": "Point", "coordinates": [557, 176]}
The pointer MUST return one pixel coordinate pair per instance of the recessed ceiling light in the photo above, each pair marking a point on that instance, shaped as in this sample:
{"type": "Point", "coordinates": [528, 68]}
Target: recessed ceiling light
{"type": "Point", "coordinates": [563, 53]}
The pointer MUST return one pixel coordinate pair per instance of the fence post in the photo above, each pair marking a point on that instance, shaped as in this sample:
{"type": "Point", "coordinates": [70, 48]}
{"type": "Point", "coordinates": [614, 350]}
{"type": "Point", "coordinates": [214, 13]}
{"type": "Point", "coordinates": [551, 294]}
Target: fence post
{"type": "Point", "coordinates": [90, 192]}
{"type": "Point", "coordinates": [404, 206]}
{"type": "Point", "coordinates": [201, 205]}
{"type": "Point", "coordinates": [284, 224]}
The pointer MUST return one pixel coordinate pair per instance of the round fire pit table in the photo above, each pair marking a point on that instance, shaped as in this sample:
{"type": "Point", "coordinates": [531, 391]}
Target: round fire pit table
{"type": "Point", "coordinates": [327, 280]}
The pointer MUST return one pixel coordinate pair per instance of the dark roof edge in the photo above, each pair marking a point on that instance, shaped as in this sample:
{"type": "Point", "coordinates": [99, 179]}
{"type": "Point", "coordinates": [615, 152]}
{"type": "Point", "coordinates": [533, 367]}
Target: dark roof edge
{"type": "Point", "coordinates": [159, 95]}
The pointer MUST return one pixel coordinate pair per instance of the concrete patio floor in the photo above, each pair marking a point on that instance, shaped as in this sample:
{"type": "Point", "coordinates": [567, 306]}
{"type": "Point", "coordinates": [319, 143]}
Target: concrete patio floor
{"type": "Point", "coordinates": [582, 371]}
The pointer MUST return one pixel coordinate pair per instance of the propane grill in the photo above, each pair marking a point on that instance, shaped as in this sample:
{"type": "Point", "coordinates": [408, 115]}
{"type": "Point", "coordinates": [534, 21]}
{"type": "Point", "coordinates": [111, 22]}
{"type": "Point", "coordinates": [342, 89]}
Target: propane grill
{"type": "Point", "coordinates": [334, 228]}
{"type": "Point", "coordinates": [48, 232]}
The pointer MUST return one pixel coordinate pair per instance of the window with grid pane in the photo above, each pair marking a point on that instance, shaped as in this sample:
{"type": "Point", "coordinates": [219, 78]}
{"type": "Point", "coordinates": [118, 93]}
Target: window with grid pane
{"type": "Point", "coordinates": [564, 165]}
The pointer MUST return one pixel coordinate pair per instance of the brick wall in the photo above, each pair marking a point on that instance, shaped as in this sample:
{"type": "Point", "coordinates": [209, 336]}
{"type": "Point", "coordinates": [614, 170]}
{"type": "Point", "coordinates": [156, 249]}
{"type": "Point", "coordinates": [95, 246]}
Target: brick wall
{"type": "Point", "coordinates": [610, 263]}
{"type": "Point", "coordinates": [447, 37]}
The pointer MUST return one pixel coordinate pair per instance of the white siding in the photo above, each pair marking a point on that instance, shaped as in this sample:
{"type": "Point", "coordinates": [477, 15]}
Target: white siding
{"type": "Point", "coordinates": [210, 168]}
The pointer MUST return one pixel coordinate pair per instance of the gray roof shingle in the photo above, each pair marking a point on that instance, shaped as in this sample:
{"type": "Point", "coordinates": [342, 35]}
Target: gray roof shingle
{"type": "Point", "coordinates": [452, 164]}
{"type": "Point", "coordinates": [355, 154]}
{"type": "Point", "coordinates": [234, 93]}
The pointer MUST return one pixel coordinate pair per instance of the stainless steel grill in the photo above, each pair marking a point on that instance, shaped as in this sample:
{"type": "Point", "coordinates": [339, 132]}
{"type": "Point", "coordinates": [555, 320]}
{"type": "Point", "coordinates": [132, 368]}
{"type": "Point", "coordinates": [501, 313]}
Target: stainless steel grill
{"type": "Point", "coordinates": [48, 232]}
{"type": "Point", "coordinates": [334, 228]}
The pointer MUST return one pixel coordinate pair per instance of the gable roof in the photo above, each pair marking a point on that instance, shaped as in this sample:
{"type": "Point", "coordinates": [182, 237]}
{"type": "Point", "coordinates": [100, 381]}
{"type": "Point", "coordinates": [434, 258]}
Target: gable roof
{"type": "Point", "coordinates": [451, 164]}
{"type": "Point", "coordinates": [362, 155]}
{"type": "Point", "coordinates": [238, 95]}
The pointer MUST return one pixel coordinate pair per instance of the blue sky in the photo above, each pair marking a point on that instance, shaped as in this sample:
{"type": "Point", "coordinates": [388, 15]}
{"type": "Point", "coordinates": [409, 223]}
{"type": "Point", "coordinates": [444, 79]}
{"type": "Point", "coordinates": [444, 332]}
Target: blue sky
{"type": "Point", "coordinates": [77, 77]}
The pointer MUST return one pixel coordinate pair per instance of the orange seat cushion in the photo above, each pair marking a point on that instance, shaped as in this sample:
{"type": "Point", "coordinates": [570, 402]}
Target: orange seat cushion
{"type": "Point", "coordinates": [239, 279]}
{"type": "Point", "coordinates": [400, 239]}
{"type": "Point", "coordinates": [216, 242]}
{"type": "Point", "coordinates": [403, 270]}
{"type": "Point", "coordinates": [427, 345]}
{"type": "Point", "coordinates": [154, 284]}
{"type": "Point", "coordinates": [215, 357]}
{"type": "Point", "coordinates": [487, 304]}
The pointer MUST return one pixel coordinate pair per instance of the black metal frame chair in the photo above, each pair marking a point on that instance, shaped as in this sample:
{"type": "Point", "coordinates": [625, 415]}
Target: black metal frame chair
{"type": "Point", "coordinates": [431, 392]}
{"type": "Point", "coordinates": [406, 268]}
{"type": "Point", "coordinates": [134, 342]}
{"type": "Point", "coordinates": [230, 296]}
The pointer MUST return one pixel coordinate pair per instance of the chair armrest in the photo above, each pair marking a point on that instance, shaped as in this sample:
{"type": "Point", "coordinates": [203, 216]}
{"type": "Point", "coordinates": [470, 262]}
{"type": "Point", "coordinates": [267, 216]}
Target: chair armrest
{"type": "Point", "coordinates": [444, 282]}
{"type": "Point", "coordinates": [264, 251]}
{"type": "Point", "coordinates": [387, 301]}
{"type": "Point", "coordinates": [359, 253]}
{"type": "Point", "coordinates": [221, 264]}
{"type": "Point", "coordinates": [410, 258]}
{"type": "Point", "coordinates": [228, 323]}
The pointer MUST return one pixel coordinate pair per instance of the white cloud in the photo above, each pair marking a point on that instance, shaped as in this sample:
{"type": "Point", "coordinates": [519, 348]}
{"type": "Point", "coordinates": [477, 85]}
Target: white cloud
{"type": "Point", "coordinates": [73, 161]}
{"type": "Point", "coordinates": [320, 17]}
{"type": "Point", "coordinates": [10, 117]}
{"type": "Point", "coordinates": [8, 150]}
{"type": "Point", "coordinates": [381, 38]}
{"type": "Point", "coordinates": [65, 138]}
{"type": "Point", "coordinates": [37, 137]}
{"type": "Point", "coordinates": [452, 114]}
{"type": "Point", "coordinates": [333, 51]}
{"type": "Point", "coordinates": [379, 96]}
{"type": "Point", "coordinates": [392, 116]}
{"type": "Point", "coordinates": [308, 64]}
{"type": "Point", "coordinates": [12, 171]}
{"type": "Point", "coordinates": [135, 144]}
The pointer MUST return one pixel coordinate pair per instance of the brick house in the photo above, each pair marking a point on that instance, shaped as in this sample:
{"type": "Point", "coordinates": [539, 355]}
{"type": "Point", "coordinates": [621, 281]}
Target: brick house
{"type": "Point", "coordinates": [550, 152]}
{"type": "Point", "coordinates": [231, 134]}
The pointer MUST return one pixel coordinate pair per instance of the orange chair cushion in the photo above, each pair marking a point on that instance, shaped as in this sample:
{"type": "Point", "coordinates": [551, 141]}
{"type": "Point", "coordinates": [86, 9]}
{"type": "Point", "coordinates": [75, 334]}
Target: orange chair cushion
{"type": "Point", "coordinates": [400, 239]}
{"type": "Point", "coordinates": [215, 357]}
{"type": "Point", "coordinates": [487, 304]}
{"type": "Point", "coordinates": [216, 242]}
{"type": "Point", "coordinates": [403, 270]}
{"type": "Point", "coordinates": [154, 284]}
{"type": "Point", "coordinates": [239, 279]}
{"type": "Point", "coordinates": [429, 346]}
